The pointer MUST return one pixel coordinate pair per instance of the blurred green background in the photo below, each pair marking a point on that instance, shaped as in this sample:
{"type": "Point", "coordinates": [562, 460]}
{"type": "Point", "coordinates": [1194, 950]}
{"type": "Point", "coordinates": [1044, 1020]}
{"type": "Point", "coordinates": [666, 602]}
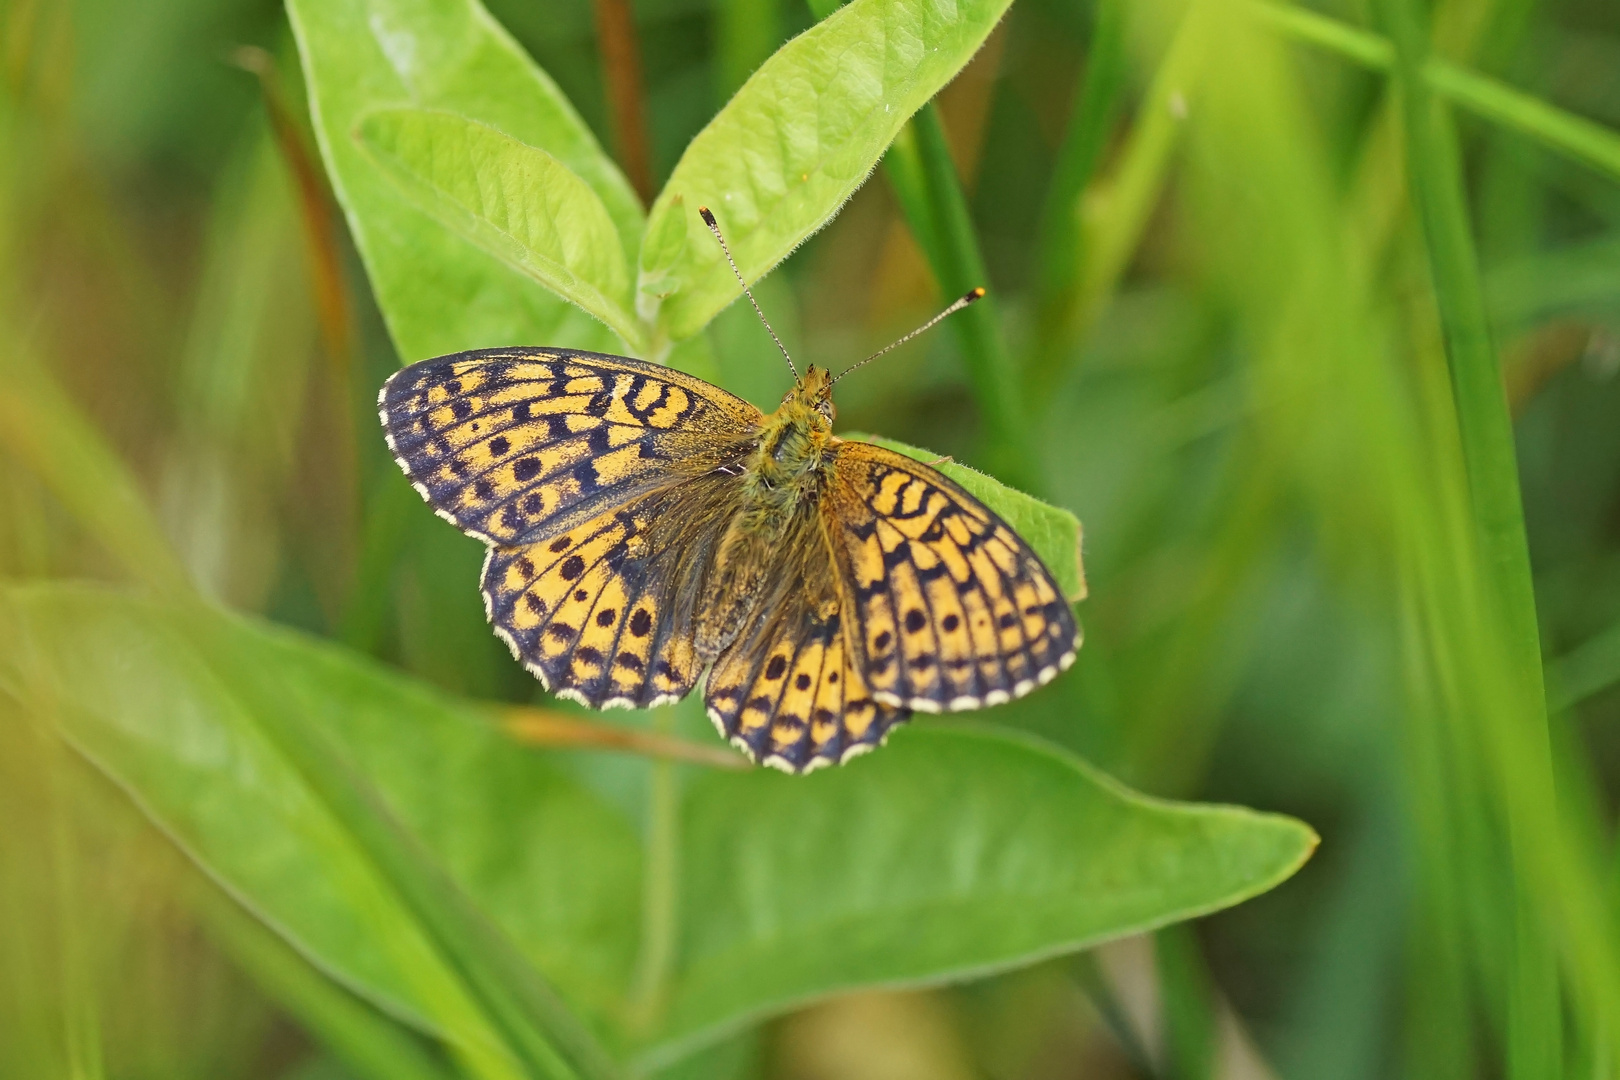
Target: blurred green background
{"type": "Point", "coordinates": [1248, 293]}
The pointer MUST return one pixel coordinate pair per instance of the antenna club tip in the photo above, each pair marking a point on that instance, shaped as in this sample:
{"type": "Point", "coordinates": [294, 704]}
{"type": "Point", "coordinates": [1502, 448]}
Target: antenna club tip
{"type": "Point", "coordinates": [976, 294]}
{"type": "Point", "coordinates": [708, 218]}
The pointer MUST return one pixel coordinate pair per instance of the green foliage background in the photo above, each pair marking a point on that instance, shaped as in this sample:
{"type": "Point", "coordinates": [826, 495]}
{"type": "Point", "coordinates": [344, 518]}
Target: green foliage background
{"type": "Point", "coordinates": [1311, 314]}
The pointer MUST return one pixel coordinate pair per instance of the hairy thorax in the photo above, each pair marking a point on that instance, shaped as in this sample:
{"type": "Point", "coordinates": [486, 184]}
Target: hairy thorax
{"type": "Point", "coordinates": [782, 481]}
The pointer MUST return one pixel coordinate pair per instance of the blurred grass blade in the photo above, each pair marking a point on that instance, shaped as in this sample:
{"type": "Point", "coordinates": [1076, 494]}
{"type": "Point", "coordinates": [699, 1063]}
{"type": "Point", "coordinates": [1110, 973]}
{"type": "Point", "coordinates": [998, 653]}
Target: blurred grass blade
{"type": "Point", "coordinates": [46, 432]}
{"type": "Point", "coordinates": [362, 55]}
{"type": "Point", "coordinates": [1588, 669]}
{"type": "Point", "coordinates": [902, 165]}
{"type": "Point", "coordinates": [518, 203]}
{"type": "Point", "coordinates": [1058, 255]}
{"type": "Point", "coordinates": [1053, 532]}
{"type": "Point", "coordinates": [992, 375]}
{"type": "Point", "coordinates": [1485, 426]}
{"type": "Point", "coordinates": [1574, 136]}
{"type": "Point", "coordinates": [794, 143]}
{"type": "Point", "coordinates": [1112, 214]}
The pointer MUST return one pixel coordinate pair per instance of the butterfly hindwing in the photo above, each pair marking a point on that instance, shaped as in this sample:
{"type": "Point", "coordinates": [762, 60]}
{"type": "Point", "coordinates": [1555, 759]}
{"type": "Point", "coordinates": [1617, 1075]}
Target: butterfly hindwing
{"type": "Point", "coordinates": [604, 612]}
{"type": "Point", "coordinates": [785, 691]}
{"type": "Point", "coordinates": [516, 445]}
{"type": "Point", "coordinates": [948, 607]}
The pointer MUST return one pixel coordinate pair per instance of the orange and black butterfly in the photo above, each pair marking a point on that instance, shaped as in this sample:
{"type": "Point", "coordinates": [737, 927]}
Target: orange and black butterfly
{"type": "Point", "coordinates": [645, 526]}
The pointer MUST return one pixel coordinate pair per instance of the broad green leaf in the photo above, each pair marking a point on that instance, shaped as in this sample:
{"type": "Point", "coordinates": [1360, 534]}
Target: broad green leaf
{"type": "Point", "coordinates": [182, 706]}
{"type": "Point", "coordinates": [518, 203]}
{"type": "Point", "coordinates": [1053, 532]}
{"type": "Point", "coordinates": [952, 852]}
{"type": "Point", "coordinates": [794, 143]}
{"type": "Point", "coordinates": [438, 291]}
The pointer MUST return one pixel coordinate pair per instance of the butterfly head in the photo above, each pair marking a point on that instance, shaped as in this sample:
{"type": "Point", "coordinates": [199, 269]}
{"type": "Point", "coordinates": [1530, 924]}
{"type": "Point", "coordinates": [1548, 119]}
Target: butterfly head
{"type": "Point", "coordinates": [812, 395]}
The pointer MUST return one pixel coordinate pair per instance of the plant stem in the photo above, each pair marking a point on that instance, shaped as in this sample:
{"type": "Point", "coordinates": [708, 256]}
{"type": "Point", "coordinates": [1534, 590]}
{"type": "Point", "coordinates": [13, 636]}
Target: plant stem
{"type": "Point", "coordinates": [541, 727]}
{"type": "Point", "coordinates": [1060, 257]}
{"type": "Point", "coordinates": [931, 196]}
{"type": "Point", "coordinates": [1110, 216]}
{"type": "Point", "coordinates": [621, 70]}
{"type": "Point", "coordinates": [660, 889]}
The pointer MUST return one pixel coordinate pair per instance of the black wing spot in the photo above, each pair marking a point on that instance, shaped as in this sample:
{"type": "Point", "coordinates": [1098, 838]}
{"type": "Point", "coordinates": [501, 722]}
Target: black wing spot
{"type": "Point", "coordinates": [580, 595]}
{"type": "Point", "coordinates": [499, 445]}
{"type": "Point", "coordinates": [531, 503]}
{"type": "Point", "coordinates": [525, 566]}
{"type": "Point", "coordinates": [915, 621]}
{"type": "Point", "coordinates": [950, 622]}
{"type": "Point", "coordinates": [484, 490]}
{"type": "Point", "coordinates": [640, 623]}
{"type": "Point", "coordinates": [775, 668]}
{"type": "Point", "coordinates": [881, 642]}
{"type": "Point", "coordinates": [832, 676]}
{"type": "Point", "coordinates": [572, 567]}
{"type": "Point", "coordinates": [589, 654]}
{"type": "Point", "coordinates": [534, 603]}
{"type": "Point", "coordinates": [526, 469]}
{"type": "Point", "coordinates": [520, 411]}
{"type": "Point", "coordinates": [1008, 620]}
{"type": "Point", "coordinates": [606, 616]}
{"type": "Point", "coordinates": [802, 682]}
{"type": "Point", "coordinates": [561, 631]}
{"type": "Point", "coordinates": [561, 543]}
{"type": "Point", "coordinates": [629, 661]}
{"type": "Point", "coordinates": [461, 409]}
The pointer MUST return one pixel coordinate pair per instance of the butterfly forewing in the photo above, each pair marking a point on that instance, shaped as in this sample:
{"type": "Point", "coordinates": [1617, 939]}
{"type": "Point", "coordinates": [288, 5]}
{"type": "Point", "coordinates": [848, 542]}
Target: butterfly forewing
{"type": "Point", "coordinates": [515, 445]}
{"type": "Point", "coordinates": [948, 608]}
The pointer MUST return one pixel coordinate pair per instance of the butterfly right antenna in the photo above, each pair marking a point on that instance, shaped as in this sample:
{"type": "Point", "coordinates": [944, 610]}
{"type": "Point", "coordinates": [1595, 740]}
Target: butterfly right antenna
{"type": "Point", "coordinates": [708, 219]}
{"type": "Point", "coordinates": [956, 306]}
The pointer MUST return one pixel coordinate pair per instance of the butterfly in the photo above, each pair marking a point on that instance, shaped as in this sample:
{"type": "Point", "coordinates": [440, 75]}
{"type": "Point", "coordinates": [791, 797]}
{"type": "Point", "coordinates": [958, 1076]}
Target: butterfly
{"type": "Point", "coordinates": [645, 526]}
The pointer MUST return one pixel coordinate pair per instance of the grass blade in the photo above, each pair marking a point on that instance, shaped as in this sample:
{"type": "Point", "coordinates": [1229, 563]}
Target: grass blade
{"type": "Point", "coordinates": [1573, 136]}
{"type": "Point", "coordinates": [1060, 257]}
{"type": "Point", "coordinates": [1485, 426]}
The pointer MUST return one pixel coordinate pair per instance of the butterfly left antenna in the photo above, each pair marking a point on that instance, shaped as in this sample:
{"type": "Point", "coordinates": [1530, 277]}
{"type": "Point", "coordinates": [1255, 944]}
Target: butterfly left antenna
{"type": "Point", "coordinates": [708, 219]}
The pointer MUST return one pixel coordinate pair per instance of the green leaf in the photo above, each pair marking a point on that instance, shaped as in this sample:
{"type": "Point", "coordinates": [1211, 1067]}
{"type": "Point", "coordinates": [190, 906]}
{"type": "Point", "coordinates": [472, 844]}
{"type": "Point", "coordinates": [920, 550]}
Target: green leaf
{"type": "Point", "coordinates": [953, 852]}
{"type": "Point", "coordinates": [518, 203]}
{"type": "Point", "coordinates": [438, 291]}
{"type": "Point", "coordinates": [794, 143]}
{"type": "Point", "coordinates": [1053, 532]}
{"type": "Point", "coordinates": [233, 737]}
